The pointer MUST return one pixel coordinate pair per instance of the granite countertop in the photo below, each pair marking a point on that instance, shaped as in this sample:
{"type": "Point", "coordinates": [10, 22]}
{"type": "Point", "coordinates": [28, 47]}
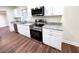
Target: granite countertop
{"type": "Point", "coordinates": [54, 26]}
{"type": "Point", "coordinates": [49, 25]}
{"type": "Point", "coordinates": [22, 23]}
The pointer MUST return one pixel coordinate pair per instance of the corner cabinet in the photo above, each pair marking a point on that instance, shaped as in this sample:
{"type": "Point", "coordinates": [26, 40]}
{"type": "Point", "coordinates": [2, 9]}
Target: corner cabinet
{"type": "Point", "coordinates": [52, 38]}
{"type": "Point", "coordinates": [24, 29]}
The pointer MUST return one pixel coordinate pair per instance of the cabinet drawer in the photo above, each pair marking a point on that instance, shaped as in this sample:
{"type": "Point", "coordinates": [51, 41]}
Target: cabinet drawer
{"type": "Point", "coordinates": [23, 26]}
{"type": "Point", "coordinates": [56, 32]}
{"type": "Point", "coordinates": [46, 30]}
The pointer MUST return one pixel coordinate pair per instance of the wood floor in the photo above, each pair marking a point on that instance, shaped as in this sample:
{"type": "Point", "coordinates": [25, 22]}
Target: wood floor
{"type": "Point", "coordinates": [11, 42]}
{"type": "Point", "coordinates": [67, 48]}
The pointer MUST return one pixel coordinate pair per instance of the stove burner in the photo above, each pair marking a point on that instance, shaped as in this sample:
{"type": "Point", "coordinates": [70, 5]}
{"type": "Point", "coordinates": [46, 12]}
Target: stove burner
{"type": "Point", "coordinates": [39, 25]}
{"type": "Point", "coordinates": [36, 27]}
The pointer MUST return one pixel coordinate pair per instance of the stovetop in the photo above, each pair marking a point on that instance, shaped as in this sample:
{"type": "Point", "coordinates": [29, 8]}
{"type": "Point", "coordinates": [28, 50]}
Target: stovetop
{"type": "Point", "coordinates": [37, 27]}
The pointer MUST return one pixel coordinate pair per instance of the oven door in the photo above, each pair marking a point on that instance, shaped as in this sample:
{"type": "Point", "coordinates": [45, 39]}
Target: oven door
{"type": "Point", "coordinates": [36, 34]}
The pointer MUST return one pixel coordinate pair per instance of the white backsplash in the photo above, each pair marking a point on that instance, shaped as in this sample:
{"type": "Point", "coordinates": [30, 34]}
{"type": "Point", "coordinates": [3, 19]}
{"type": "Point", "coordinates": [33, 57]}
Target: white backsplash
{"type": "Point", "coordinates": [48, 18]}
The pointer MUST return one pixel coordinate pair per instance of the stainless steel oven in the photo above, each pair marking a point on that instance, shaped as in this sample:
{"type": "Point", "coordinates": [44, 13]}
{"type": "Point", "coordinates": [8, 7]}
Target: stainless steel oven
{"type": "Point", "coordinates": [36, 29]}
{"type": "Point", "coordinates": [36, 34]}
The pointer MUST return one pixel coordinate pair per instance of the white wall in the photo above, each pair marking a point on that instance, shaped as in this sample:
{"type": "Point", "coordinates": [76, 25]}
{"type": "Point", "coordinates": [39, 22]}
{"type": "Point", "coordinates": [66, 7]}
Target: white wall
{"type": "Point", "coordinates": [71, 23]}
{"type": "Point", "coordinates": [48, 18]}
{"type": "Point", "coordinates": [9, 14]}
{"type": "Point", "coordinates": [3, 20]}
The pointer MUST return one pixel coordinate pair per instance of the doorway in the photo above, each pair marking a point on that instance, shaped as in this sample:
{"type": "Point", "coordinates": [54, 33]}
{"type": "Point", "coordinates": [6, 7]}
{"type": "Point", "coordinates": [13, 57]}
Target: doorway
{"type": "Point", "coordinates": [3, 19]}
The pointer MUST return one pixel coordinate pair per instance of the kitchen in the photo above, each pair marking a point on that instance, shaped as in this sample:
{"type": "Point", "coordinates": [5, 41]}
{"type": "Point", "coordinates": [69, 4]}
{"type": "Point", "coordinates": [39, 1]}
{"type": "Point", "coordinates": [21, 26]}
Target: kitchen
{"type": "Point", "coordinates": [40, 28]}
{"type": "Point", "coordinates": [33, 23]}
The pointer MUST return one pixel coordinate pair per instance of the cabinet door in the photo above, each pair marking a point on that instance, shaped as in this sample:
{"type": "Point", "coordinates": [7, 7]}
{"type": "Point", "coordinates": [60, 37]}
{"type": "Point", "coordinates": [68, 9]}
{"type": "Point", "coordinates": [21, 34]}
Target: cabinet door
{"type": "Point", "coordinates": [48, 10]}
{"type": "Point", "coordinates": [24, 14]}
{"type": "Point", "coordinates": [55, 42]}
{"type": "Point", "coordinates": [58, 10]}
{"type": "Point", "coordinates": [20, 29]}
{"type": "Point", "coordinates": [17, 12]}
{"type": "Point", "coordinates": [11, 27]}
{"type": "Point", "coordinates": [24, 30]}
{"type": "Point", "coordinates": [46, 37]}
{"type": "Point", "coordinates": [56, 39]}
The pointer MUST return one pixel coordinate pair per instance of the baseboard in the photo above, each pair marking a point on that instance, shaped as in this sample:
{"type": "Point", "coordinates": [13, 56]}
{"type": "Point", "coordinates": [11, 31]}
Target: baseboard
{"type": "Point", "coordinates": [3, 26]}
{"type": "Point", "coordinates": [71, 43]}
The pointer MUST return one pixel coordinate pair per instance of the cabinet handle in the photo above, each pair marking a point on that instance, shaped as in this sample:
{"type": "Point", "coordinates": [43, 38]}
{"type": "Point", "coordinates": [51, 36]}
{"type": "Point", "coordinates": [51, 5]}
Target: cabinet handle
{"type": "Point", "coordinates": [50, 34]}
{"type": "Point", "coordinates": [50, 31]}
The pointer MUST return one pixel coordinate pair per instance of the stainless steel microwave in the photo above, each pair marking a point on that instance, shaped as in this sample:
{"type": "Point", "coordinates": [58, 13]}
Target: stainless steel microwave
{"type": "Point", "coordinates": [38, 11]}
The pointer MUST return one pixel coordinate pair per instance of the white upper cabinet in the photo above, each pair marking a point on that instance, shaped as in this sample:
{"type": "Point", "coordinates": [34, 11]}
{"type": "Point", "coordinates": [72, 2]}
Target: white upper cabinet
{"type": "Point", "coordinates": [25, 12]}
{"type": "Point", "coordinates": [58, 10]}
{"type": "Point", "coordinates": [48, 10]}
{"type": "Point", "coordinates": [24, 15]}
{"type": "Point", "coordinates": [21, 12]}
{"type": "Point", "coordinates": [54, 10]}
{"type": "Point", "coordinates": [29, 13]}
{"type": "Point", "coordinates": [17, 12]}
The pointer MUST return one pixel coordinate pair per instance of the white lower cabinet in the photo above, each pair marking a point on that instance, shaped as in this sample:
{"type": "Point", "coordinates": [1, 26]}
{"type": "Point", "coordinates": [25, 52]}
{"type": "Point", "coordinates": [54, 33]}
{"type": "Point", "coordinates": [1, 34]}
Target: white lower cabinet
{"type": "Point", "coordinates": [52, 38]}
{"type": "Point", "coordinates": [11, 27]}
{"type": "Point", "coordinates": [24, 29]}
